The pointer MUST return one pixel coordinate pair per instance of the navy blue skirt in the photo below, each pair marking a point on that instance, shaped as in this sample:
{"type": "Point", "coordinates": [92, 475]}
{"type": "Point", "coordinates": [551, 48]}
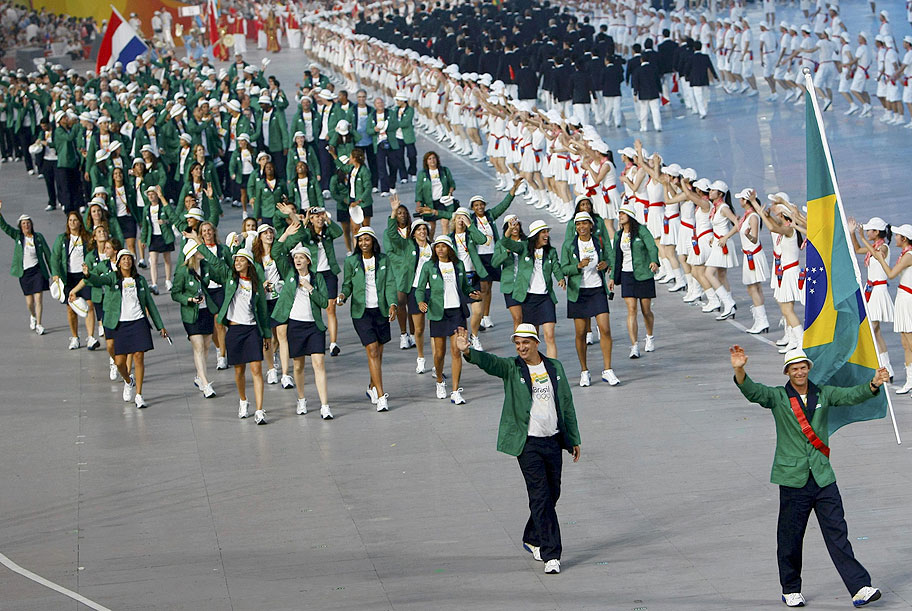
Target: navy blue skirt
{"type": "Point", "coordinates": [538, 309]}
{"type": "Point", "coordinates": [71, 281]}
{"type": "Point", "coordinates": [270, 306]}
{"type": "Point", "coordinates": [243, 344]}
{"type": "Point", "coordinates": [639, 289]}
{"type": "Point", "coordinates": [452, 319]}
{"type": "Point", "coordinates": [332, 283]}
{"type": "Point", "coordinates": [217, 296]}
{"type": "Point", "coordinates": [33, 282]}
{"type": "Point", "coordinates": [372, 327]}
{"type": "Point", "coordinates": [109, 333]}
{"type": "Point", "coordinates": [304, 339]}
{"type": "Point", "coordinates": [413, 301]}
{"type": "Point", "coordinates": [493, 271]}
{"type": "Point", "coordinates": [127, 226]}
{"type": "Point", "coordinates": [509, 301]}
{"type": "Point", "coordinates": [157, 243]}
{"type": "Point", "coordinates": [204, 325]}
{"type": "Point", "coordinates": [591, 302]}
{"type": "Point", "coordinates": [132, 336]}
{"type": "Point", "coordinates": [99, 310]}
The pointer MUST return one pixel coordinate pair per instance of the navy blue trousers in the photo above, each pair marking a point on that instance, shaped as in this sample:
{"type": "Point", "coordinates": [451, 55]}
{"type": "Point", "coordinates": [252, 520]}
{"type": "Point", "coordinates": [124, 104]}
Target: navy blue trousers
{"type": "Point", "coordinates": [540, 462]}
{"type": "Point", "coordinates": [795, 506]}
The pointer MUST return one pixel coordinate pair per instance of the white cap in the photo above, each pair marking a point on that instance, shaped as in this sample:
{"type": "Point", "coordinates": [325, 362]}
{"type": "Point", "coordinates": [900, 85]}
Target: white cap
{"type": "Point", "coordinates": [777, 196]}
{"type": "Point", "coordinates": [905, 230]}
{"type": "Point", "coordinates": [876, 223]}
{"type": "Point", "coordinates": [265, 99]}
{"type": "Point", "coordinates": [795, 356]}
{"type": "Point", "coordinates": [702, 184]}
{"type": "Point", "coordinates": [195, 213]}
{"type": "Point", "coordinates": [443, 239]}
{"type": "Point", "coordinates": [537, 227]}
{"type": "Point", "coordinates": [744, 193]}
{"type": "Point", "coordinates": [582, 216]}
{"type": "Point", "coordinates": [525, 330]}
{"type": "Point", "coordinates": [366, 230]}
{"type": "Point", "coordinates": [464, 212]}
{"type": "Point", "coordinates": [719, 185]}
{"type": "Point", "coordinates": [628, 210]}
{"type": "Point", "coordinates": [300, 249]}
{"type": "Point", "coordinates": [343, 127]}
{"type": "Point", "coordinates": [123, 252]}
{"type": "Point", "coordinates": [418, 223]}
{"type": "Point", "coordinates": [243, 252]}
{"type": "Point", "coordinates": [190, 249]}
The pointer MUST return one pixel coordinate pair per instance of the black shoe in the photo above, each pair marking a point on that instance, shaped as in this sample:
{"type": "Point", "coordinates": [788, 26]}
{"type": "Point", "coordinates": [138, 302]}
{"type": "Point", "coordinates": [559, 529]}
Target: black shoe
{"type": "Point", "coordinates": [335, 351]}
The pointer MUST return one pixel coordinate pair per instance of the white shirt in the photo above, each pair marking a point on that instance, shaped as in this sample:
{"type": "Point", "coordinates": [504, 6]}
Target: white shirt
{"type": "Point", "coordinates": [424, 255]}
{"type": "Point", "coordinates": [591, 277]}
{"type": "Point", "coordinates": [214, 250]}
{"type": "Point", "coordinates": [120, 198]}
{"type": "Point", "coordinates": [370, 283]}
{"type": "Point", "coordinates": [76, 251]}
{"type": "Point", "coordinates": [240, 310]}
{"type": "Point", "coordinates": [302, 309]}
{"type": "Point", "coordinates": [246, 162]}
{"type": "Point", "coordinates": [30, 253]}
{"type": "Point", "coordinates": [627, 263]}
{"type": "Point", "coordinates": [351, 182]}
{"type": "Point", "coordinates": [324, 121]}
{"type": "Point", "coordinates": [267, 117]}
{"type": "Point", "coordinates": [130, 309]}
{"type": "Point", "coordinates": [156, 226]}
{"type": "Point", "coordinates": [302, 191]}
{"type": "Point", "coordinates": [450, 288]}
{"type": "Point", "coordinates": [436, 185]}
{"type": "Point", "coordinates": [488, 247]}
{"type": "Point", "coordinates": [272, 276]}
{"type": "Point", "coordinates": [537, 285]}
{"type": "Point", "coordinates": [543, 415]}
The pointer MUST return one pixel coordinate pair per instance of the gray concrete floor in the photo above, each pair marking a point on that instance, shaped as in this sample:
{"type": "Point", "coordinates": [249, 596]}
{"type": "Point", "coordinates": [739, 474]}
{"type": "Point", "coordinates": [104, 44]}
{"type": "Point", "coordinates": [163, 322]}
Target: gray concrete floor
{"type": "Point", "coordinates": [183, 506]}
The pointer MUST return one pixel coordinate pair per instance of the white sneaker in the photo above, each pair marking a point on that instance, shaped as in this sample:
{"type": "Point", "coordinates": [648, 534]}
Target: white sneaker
{"type": "Point", "coordinates": [112, 370]}
{"type": "Point", "coordinates": [650, 344]}
{"type": "Point", "coordinates": [403, 341]}
{"type": "Point", "coordinates": [334, 349]}
{"type": "Point", "coordinates": [74, 343]}
{"type": "Point", "coordinates": [589, 338]}
{"type": "Point", "coordinates": [32, 322]}
{"type": "Point", "coordinates": [534, 550]}
{"type": "Point", "coordinates": [139, 401]}
{"type": "Point", "coordinates": [456, 397]}
{"type": "Point", "coordinates": [325, 413]}
{"type": "Point", "coordinates": [197, 382]}
{"type": "Point", "coordinates": [372, 394]}
{"type": "Point", "coordinates": [168, 285]}
{"type": "Point", "coordinates": [441, 390]}
{"type": "Point", "coordinates": [243, 408]}
{"type": "Point", "coordinates": [853, 108]}
{"type": "Point", "coordinates": [128, 390]}
{"type": "Point", "coordinates": [634, 351]}
{"type": "Point", "coordinates": [486, 322]}
{"type": "Point", "coordinates": [411, 340]}
{"type": "Point", "coordinates": [795, 599]}
{"type": "Point", "coordinates": [92, 343]}
{"type": "Point", "coordinates": [100, 330]}
{"type": "Point", "coordinates": [272, 376]}
{"type": "Point", "coordinates": [608, 376]}
{"type": "Point", "coordinates": [259, 416]}
{"type": "Point", "coordinates": [287, 382]}
{"type": "Point", "coordinates": [301, 409]}
{"type": "Point", "coordinates": [39, 329]}
{"type": "Point", "coordinates": [552, 567]}
{"type": "Point", "coordinates": [865, 595]}
{"type": "Point", "coordinates": [585, 379]}
{"type": "Point", "coordinates": [476, 343]}
{"type": "Point", "coordinates": [208, 391]}
{"type": "Point", "coordinates": [419, 365]}
{"type": "Point", "coordinates": [382, 405]}
{"type": "Point", "coordinates": [221, 363]}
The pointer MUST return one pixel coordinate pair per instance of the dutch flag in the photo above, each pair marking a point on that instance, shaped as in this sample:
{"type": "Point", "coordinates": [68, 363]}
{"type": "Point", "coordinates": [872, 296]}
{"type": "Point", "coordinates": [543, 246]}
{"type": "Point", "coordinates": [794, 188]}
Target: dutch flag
{"type": "Point", "coordinates": [121, 43]}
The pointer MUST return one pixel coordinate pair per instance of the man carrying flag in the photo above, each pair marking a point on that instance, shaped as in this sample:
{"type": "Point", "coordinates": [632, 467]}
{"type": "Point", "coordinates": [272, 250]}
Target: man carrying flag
{"type": "Point", "coordinates": [802, 470]}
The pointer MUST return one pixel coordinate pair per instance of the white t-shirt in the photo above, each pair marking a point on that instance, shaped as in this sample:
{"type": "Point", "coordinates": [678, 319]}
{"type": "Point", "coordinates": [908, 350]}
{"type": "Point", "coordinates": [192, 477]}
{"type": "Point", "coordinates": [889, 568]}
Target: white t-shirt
{"type": "Point", "coordinates": [240, 310]}
{"type": "Point", "coordinates": [120, 197]}
{"type": "Point", "coordinates": [462, 251]}
{"type": "Point", "coordinates": [246, 163]}
{"type": "Point", "coordinates": [352, 178]}
{"type": "Point", "coordinates": [370, 283]}
{"type": "Point", "coordinates": [30, 253]}
{"type": "Point", "coordinates": [272, 275]}
{"type": "Point", "coordinates": [485, 226]}
{"type": "Point", "coordinates": [627, 262]}
{"type": "Point", "coordinates": [450, 288]}
{"type": "Point", "coordinates": [537, 285]}
{"type": "Point", "coordinates": [436, 185]}
{"type": "Point", "coordinates": [543, 415]}
{"type": "Point", "coordinates": [130, 309]}
{"type": "Point", "coordinates": [76, 252]}
{"type": "Point", "coordinates": [424, 255]}
{"type": "Point", "coordinates": [153, 213]}
{"type": "Point", "coordinates": [214, 250]}
{"type": "Point", "coordinates": [302, 309]}
{"type": "Point", "coordinates": [591, 277]}
{"type": "Point", "coordinates": [302, 191]}
{"type": "Point", "coordinates": [322, 260]}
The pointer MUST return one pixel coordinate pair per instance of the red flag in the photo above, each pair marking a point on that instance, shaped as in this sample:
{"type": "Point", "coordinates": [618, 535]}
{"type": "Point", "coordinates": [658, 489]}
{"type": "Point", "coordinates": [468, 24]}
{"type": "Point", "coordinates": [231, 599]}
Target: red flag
{"type": "Point", "coordinates": [664, 100]}
{"type": "Point", "coordinates": [674, 79]}
{"type": "Point", "coordinates": [211, 17]}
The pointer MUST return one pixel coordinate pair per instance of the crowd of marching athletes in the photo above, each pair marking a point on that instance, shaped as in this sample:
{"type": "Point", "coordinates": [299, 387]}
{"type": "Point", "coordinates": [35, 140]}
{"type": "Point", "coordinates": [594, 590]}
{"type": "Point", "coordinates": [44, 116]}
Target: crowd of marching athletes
{"type": "Point", "coordinates": [142, 158]}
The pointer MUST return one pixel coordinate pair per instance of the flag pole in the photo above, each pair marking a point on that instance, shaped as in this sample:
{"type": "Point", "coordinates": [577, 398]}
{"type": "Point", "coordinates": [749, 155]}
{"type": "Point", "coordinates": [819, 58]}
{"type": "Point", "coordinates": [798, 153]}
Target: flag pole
{"type": "Point", "coordinates": [809, 86]}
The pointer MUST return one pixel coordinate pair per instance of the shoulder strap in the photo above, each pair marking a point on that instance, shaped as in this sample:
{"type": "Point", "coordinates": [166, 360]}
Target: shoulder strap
{"type": "Point", "coordinates": [795, 404]}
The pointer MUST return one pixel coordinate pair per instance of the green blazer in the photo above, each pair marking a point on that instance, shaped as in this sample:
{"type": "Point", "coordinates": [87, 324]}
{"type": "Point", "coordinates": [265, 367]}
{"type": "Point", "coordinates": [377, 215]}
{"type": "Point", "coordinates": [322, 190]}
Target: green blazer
{"type": "Point", "coordinates": [390, 117]}
{"type": "Point", "coordinates": [403, 254]}
{"type": "Point", "coordinates": [113, 297]}
{"type": "Point", "coordinates": [431, 277]}
{"type": "Point", "coordinates": [314, 194]}
{"type": "Point", "coordinates": [795, 457]}
{"type": "Point", "coordinates": [570, 259]}
{"type": "Point", "coordinates": [60, 259]}
{"type": "Point", "coordinates": [265, 199]}
{"type": "Point", "coordinates": [523, 278]}
{"type": "Point", "coordinates": [236, 166]}
{"type": "Point", "coordinates": [64, 143]}
{"type": "Point", "coordinates": [278, 132]}
{"type": "Point", "coordinates": [113, 225]}
{"type": "Point", "coordinates": [223, 273]}
{"type": "Point", "coordinates": [424, 188]}
{"type": "Point", "coordinates": [336, 114]}
{"type": "Point", "coordinates": [167, 216]}
{"type": "Point", "coordinates": [354, 288]}
{"type": "Point", "coordinates": [298, 124]}
{"type": "Point", "coordinates": [311, 241]}
{"type": "Point", "coordinates": [318, 297]}
{"type": "Point", "coordinates": [643, 252]}
{"type": "Point", "coordinates": [363, 187]}
{"type": "Point", "coordinates": [505, 259]}
{"type": "Point", "coordinates": [186, 287]}
{"type": "Point", "coordinates": [99, 267]}
{"type": "Point", "coordinates": [405, 123]}
{"type": "Point", "coordinates": [517, 405]}
{"type": "Point", "coordinates": [41, 249]}
{"type": "Point", "coordinates": [309, 157]}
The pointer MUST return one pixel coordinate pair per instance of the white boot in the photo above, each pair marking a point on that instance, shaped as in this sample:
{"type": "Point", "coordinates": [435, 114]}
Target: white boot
{"type": "Point", "coordinates": [679, 282]}
{"type": "Point", "coordinates": [728, 304]}
{"type": "Point", "coordinates": [908, 385]}
{"type": "Point", "coordinates": [885, 359]}
{"type": "Point", "coordinates": [796, 335]}
{"type": "Point", "coordinates": [785, 339]}
{"type": "Point", "coordinates": [477, 152]}
{"type": "Point", "coordinates": [761, 322]}
{"type": "Point", "coordinates": [712, 301]}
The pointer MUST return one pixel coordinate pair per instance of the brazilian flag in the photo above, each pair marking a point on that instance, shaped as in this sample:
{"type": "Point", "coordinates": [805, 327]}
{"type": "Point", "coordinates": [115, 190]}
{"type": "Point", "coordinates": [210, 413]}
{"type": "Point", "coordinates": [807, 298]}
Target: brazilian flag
{"type": "Point", "coordinates": [837, 334]}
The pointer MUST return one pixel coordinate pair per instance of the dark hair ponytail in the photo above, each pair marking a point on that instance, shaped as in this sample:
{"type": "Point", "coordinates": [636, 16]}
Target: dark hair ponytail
{"type": "Point", "coordinates": [886, 234]}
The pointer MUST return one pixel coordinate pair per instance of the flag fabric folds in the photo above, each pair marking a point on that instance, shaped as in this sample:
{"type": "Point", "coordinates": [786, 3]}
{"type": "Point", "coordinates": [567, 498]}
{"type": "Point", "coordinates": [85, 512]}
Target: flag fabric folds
{"type": "Point", "coordinates": [837, 336]}
{"type": "Point", "coordinates": [121, 43]}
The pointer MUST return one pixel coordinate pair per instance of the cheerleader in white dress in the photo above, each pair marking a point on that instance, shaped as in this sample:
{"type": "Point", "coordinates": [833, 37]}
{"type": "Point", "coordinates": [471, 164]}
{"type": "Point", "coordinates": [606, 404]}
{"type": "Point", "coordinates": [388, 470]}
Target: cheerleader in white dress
{"type": "Point", "coordinates": [605, 175]}
{"type": "Point", "coordinates": [722, 255]}
{"type": "Point", "coordinates": [755, 268]}
{"type": "Point", "coordinates": [902, 312]}
{"type": "Point", "coordinates": [532, 156]}
{"type": "Point", "coordinates": [877, 297]}
{"type": "Point", "coordinates": [662, 220]}
{"type": "Point", "coordinates": [786, 224]}
{"type": "Point", "coordinates": [678, 229]}
{"type": "Point", "coordinates": [700, 242]}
